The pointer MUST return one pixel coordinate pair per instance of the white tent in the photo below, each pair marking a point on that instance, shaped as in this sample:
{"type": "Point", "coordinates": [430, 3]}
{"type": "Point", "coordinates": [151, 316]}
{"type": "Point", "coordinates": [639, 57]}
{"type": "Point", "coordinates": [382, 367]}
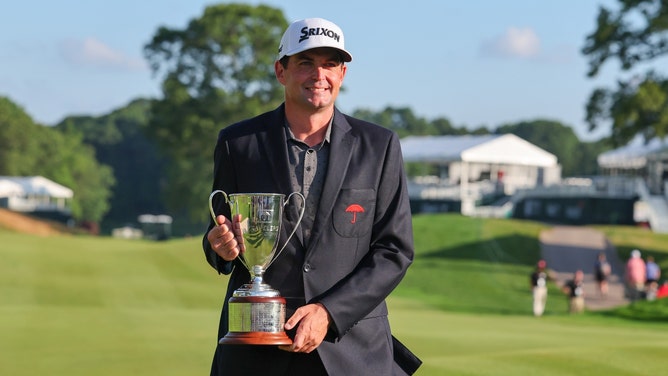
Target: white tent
{"type": "Point", "coordinates": [632, 156]}
{"type": "Point", "coordinates": [9, 188]}
{"type": "Point", "coordinates": [498, 149]}
{"type": "Point", "coordinates": [31, 193]}
{"type": "Point", "coordinates": [472, 166]}
{"type": "Point", "coordinates": [32, 186]}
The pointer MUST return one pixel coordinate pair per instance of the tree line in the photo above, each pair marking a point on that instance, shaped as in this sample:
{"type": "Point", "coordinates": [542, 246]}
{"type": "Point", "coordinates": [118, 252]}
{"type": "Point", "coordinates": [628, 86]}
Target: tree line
{"type": "Point", "coordinates": [155, 155]}
{"type": "Point", "coordinates": [119, 172]}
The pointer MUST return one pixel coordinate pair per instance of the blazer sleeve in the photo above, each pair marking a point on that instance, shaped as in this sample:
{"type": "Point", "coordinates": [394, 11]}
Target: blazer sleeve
{"type": "Point", "coordinates": [223, 179]}
{"type": "Point", "coordinates": [390, 250]}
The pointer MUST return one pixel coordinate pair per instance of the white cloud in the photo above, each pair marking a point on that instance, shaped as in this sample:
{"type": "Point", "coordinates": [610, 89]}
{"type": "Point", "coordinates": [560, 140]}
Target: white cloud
{"type": "Point", "coordinates": [92, 52]}
{"type": "Point", "coordinates": [514, 42]}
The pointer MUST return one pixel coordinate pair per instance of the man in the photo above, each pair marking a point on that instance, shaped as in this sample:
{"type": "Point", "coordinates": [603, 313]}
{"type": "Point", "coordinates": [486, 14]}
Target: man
{"type": "Point", "coordinates": [602, 272]}
{"type": "Point", "coordinates": [634, 276]}
{"type": "Point", "coordinates": [539, 278]}
{"type": "Point", "coordinates": [574, 288]}
{"type": "Point", "coordinates": [653, 273]}
{"type": "Point", "coordinates": [337, 271]}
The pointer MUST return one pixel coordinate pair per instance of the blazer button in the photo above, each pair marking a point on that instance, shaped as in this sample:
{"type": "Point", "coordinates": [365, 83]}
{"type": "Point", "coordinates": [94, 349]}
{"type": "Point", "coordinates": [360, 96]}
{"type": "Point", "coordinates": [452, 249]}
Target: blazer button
{"type": "Point", "coordinates": [307, 268]}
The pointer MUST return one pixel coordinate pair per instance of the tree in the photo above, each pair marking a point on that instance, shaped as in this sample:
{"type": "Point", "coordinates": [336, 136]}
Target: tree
{"type": "Point", "coordinates": [67, 160]}
{"type": "Point", "coordinates": [119, 142]}
{"type": "Point", "coordinates": [28, 149]}
{"type": "Point", "coordinates": [636, 33]}
{"type": "Point", "coordinates": [403, 121]}
{"type": "Point", "coordinates": [576, 158]}
{"type": "Point", "coordinates": [444, 127]}
{"type": "Point", "coordinates": [218, 70]}
{"type": "Point", "coordinates": [16, 144]}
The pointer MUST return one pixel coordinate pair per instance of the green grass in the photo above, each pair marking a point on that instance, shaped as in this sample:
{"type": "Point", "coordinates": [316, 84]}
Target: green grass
{"type": "Point", "coordinates": [627, 238]}
{"type": "Point", "coordinates": [474, 265]}
{"type": "Point", "coordinates": [91, 306]}
{"type": "Point", "coordinates": [77, 305]}
{"type": "Point", "coordinates": [495, 345]}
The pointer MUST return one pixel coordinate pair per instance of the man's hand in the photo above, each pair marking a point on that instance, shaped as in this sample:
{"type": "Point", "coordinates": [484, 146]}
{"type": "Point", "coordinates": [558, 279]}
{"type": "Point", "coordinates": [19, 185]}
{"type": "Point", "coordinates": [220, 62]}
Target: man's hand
{"type": "Point", "coordinates": [312, 321]}
{"type": "Point", "coordinates": [226, 238]}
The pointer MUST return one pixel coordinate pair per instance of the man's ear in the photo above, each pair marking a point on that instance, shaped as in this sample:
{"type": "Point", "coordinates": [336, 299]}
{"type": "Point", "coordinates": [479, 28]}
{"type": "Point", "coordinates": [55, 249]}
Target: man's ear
{"type": "Point", "coordinates": [279, 70]}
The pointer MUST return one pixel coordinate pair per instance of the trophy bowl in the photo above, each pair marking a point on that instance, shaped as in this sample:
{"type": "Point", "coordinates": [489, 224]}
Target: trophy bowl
{"type": "Point", "coordinates": [256, 310]}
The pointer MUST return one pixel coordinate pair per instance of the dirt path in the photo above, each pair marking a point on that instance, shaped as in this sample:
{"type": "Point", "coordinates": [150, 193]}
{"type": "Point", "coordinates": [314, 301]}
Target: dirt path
{"type": "Point", "coordinates": [22, 223]}
{"type": "Point", "coordinates": [567, 249]}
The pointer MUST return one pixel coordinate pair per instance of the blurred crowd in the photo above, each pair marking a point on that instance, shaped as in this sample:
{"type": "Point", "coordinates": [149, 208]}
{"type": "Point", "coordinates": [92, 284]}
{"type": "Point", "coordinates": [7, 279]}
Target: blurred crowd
{"type": "Point", "coordinates": [642, 278]}
{"type": "Point", "coordinates": [642, 281]}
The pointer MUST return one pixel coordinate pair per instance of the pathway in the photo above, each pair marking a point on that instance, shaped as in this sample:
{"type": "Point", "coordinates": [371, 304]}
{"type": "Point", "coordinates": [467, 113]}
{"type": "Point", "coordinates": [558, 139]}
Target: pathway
{"type": "Point", "coordinates": [567, 249]}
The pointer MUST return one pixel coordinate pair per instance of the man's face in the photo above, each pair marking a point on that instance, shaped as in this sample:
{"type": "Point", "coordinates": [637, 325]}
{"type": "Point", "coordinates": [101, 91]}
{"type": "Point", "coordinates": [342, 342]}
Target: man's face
{"type": "Point", "coordinates": [312, 78]}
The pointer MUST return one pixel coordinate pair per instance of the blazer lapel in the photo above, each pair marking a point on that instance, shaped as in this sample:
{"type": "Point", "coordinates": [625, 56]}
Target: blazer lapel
{"type": "Point", "coordinates": [276, 150]}
{"type": "Point", "coordinates": [342, 145]}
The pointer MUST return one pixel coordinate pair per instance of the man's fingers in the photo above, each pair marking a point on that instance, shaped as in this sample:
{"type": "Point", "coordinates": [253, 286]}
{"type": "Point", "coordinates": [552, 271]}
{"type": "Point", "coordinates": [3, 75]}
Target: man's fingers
{"type": "Point", "coordinates": [236, 228]}
{"type": "Point", "coordinates": [294, 319]}
{"type": "Point", "coordinates": [311, 322]}
{"type": "Point", "coordinates": [222, 220]}
{"type": "Point", "coordinates": [223, 240]}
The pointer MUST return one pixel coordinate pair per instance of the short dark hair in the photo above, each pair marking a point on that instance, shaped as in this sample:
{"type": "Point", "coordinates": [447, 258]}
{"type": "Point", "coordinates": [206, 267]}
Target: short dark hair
{"type": "Point", "coordinates": [284, 61]}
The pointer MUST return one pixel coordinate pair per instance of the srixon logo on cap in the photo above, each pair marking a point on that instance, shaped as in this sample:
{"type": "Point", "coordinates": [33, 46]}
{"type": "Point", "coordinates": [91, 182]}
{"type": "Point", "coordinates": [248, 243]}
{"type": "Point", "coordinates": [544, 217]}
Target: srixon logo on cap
{"type": "Point", "coordinates": [307, 32]}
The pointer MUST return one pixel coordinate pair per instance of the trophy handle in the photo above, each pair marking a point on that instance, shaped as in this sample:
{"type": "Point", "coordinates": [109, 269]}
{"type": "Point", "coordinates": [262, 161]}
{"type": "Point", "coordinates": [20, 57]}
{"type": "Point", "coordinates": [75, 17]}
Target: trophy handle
{"type": "Point", "coordinates": [213, 216]}
{"type": "Point", "coordinates": [299, 221]}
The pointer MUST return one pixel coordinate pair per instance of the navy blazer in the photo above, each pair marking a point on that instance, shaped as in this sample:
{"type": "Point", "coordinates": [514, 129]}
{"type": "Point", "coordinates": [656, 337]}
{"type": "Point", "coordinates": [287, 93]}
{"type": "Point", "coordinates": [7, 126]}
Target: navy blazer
{"type": "Point", "coordinates": [350, 266]}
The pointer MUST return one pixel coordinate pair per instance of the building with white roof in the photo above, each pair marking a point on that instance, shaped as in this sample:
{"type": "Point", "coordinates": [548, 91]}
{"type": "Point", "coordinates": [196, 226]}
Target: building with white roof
{"type": "Point", "coordinates": [646, 163]}
{"type": "Point", "coordinates": [471, 167]}
{"type": "Point", "coordinates": [34, 194]}
{"type": "Point", "coordinates": [632, 187]}
{"type": "Point", "coordinates": [648, 160]}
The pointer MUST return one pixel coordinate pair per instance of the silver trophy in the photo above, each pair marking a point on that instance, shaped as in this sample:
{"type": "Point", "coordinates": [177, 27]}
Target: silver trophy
{"type": "Point", "coordinates": [257, 311]}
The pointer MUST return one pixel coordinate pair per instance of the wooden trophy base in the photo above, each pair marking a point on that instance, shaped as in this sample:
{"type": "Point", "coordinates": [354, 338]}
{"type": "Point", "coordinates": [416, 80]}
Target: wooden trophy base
{"type": "Point", "coordinates": [255, 338]}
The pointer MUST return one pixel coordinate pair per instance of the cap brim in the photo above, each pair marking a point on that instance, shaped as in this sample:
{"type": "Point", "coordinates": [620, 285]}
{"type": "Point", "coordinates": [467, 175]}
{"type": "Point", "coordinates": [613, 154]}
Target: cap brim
{"type": "Point", "coordinates": [347, 57]}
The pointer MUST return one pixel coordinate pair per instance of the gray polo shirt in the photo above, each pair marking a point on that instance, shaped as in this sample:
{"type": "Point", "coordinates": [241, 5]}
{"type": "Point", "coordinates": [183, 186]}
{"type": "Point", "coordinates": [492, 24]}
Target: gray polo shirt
{"type": "Point", "coordinates": [308, 168]}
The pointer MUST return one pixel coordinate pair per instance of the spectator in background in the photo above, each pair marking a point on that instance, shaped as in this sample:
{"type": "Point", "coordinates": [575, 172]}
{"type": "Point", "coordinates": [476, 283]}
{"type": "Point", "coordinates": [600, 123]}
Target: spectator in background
{"type": "Point", "coordinates": [635, 276]}
{"type": "Point", "coordinates": [575, 291]}
{"type": "Point", "coordinates": [653, 273]}
{"type": "Point", "coordinates": [539, 279]}
{"type": "Point", "coordinates": [602, 272]}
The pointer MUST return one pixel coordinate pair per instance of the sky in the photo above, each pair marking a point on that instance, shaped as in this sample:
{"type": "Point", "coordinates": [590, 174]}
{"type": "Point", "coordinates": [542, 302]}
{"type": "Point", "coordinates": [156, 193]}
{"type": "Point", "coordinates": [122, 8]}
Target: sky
{"type": "Point", "coordinates": [477, 63]}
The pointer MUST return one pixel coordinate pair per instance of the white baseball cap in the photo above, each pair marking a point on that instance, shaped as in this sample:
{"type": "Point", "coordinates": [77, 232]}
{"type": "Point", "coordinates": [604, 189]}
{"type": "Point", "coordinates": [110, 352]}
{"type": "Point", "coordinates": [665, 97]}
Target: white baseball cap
{"type": "Point", "coordinates": [311, 33]}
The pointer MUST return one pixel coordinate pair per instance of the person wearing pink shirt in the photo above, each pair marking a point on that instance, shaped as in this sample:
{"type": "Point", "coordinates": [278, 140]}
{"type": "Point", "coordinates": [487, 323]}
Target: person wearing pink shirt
{"type": "Point", "coordinates": [635, 276]}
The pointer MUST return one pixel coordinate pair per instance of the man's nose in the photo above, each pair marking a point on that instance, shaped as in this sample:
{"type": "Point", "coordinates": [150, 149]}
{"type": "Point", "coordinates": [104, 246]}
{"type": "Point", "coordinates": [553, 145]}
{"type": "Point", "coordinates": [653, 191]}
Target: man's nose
{"type": "Point", "coordinates": [319, 73]}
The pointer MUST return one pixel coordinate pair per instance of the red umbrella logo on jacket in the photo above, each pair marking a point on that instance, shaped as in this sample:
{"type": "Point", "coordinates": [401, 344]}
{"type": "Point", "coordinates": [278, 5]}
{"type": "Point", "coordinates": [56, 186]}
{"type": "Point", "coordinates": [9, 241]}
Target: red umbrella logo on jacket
{"type": "Point", "coordinates": [354, 208]}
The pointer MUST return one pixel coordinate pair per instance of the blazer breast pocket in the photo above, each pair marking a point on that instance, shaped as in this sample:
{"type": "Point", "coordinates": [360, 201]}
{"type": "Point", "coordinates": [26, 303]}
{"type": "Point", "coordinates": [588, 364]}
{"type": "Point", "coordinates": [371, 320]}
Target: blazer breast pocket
{"type": "Point", "coordinates": [353, 212]}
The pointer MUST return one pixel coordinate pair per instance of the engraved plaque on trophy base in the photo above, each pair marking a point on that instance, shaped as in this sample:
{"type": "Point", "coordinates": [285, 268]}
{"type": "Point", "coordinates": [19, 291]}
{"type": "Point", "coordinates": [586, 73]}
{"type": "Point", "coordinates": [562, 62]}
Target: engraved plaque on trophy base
{"type": "Point", "coordinates": [256, 320]}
